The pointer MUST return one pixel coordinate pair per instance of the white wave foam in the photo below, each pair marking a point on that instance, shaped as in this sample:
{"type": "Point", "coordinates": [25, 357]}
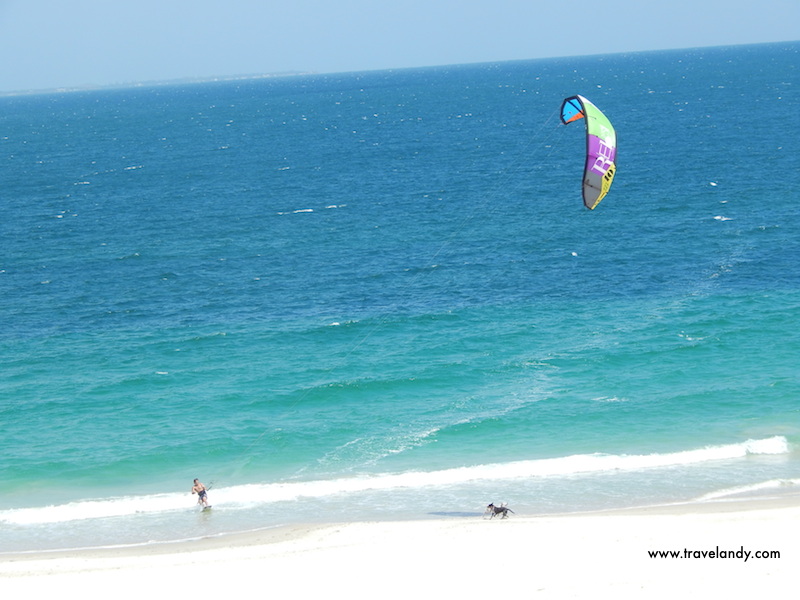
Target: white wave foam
{"type": "Point", "coordinates": [605, 399]}
{"type": "Point", "coordinates": [94, 509]}
{"type": "Point", "coordinates": [251, 495]}
{"type": "Point", "coordinates": [763, 486]}
{"type": "Point", "coordinates": [774, 445]}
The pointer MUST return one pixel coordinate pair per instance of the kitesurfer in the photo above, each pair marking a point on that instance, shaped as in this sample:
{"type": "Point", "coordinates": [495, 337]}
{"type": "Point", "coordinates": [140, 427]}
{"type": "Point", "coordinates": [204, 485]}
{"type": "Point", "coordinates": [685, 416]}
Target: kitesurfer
{"type": "Point", "coordinates": [199, 489]}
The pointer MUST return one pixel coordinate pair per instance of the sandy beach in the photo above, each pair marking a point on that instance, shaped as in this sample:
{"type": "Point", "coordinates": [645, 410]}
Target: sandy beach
{"type": "Point", "coordinates": [724, 549]}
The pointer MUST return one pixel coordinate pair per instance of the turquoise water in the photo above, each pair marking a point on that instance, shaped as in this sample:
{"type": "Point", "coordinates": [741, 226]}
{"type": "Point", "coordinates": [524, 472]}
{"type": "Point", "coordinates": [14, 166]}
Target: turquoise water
{"type": "Point", "coordinates": [382, 290]}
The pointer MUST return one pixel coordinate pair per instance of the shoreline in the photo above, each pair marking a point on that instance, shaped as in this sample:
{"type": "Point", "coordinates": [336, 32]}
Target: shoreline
{"type": "Point", "coordinates": [292, 531]}
{"type": "Point", "coordinates": [572, 553]}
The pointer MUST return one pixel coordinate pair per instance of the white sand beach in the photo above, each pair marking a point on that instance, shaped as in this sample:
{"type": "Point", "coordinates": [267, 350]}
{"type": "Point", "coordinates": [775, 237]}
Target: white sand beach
{"type": "Point", "coordinates": [564, 556]}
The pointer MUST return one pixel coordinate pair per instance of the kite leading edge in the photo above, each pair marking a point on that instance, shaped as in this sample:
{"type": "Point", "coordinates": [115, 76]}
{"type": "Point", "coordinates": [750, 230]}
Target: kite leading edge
{"type": "Point", "coordinates": [601, 148]}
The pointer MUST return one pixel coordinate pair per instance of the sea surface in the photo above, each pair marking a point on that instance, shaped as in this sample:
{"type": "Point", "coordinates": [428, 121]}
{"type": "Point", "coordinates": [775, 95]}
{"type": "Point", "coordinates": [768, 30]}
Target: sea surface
{"type": "Point", "coordinates": [378, 295]}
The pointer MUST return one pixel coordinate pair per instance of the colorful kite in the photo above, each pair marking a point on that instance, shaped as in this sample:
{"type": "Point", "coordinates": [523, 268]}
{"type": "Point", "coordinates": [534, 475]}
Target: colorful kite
{"type": "Point", "coordinates": [601, 148]}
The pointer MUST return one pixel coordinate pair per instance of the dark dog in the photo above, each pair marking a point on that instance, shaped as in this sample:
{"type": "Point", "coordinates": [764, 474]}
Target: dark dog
{"type": "Point", "coordinates": [498, 510]}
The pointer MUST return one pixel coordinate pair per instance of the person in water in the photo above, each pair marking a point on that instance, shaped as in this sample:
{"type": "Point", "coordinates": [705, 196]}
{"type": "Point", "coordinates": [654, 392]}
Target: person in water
{"type": "Point", "coordinates": [199, 489]}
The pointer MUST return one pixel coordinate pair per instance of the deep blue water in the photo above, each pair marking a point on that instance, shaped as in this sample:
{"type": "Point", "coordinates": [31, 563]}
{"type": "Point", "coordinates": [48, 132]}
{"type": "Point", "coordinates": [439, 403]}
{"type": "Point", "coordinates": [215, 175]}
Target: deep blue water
{"type": "Point", "coordinates": [383, 288]}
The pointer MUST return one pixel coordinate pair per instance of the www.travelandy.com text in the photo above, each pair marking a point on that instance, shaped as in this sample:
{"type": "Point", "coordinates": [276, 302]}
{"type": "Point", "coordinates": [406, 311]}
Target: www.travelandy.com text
{"type": "Point", "coordinates": [740, 553]}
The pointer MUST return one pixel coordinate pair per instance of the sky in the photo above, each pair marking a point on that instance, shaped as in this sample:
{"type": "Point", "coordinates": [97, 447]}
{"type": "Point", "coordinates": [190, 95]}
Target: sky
{"type": "Point", "coordinates": [46, 44]}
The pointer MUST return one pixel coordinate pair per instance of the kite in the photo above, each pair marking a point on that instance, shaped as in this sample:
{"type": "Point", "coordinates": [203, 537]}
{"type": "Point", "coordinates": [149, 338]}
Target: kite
{"type": "Point", "coordinates": [601, 148]}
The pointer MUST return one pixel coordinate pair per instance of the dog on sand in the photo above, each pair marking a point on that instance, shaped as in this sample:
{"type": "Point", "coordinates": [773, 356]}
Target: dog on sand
{"type": "Point", "coordinates": [501, 510]}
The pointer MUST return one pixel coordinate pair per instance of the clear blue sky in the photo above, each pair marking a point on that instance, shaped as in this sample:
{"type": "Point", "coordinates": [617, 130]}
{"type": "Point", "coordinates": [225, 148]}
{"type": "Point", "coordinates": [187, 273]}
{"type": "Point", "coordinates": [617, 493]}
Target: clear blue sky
{"type": "Point", "coordinates": [63, 43]}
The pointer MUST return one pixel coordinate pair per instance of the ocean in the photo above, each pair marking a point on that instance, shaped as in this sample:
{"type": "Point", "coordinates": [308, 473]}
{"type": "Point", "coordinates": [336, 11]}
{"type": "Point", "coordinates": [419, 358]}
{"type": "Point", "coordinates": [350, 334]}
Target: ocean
{"type": "Point", "coordinates": [378, 295]}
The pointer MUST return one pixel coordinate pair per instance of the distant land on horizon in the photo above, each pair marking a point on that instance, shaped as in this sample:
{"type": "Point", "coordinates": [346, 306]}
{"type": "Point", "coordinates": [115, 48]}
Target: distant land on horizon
{"type": "Point", "coordinates": [152, 83]}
